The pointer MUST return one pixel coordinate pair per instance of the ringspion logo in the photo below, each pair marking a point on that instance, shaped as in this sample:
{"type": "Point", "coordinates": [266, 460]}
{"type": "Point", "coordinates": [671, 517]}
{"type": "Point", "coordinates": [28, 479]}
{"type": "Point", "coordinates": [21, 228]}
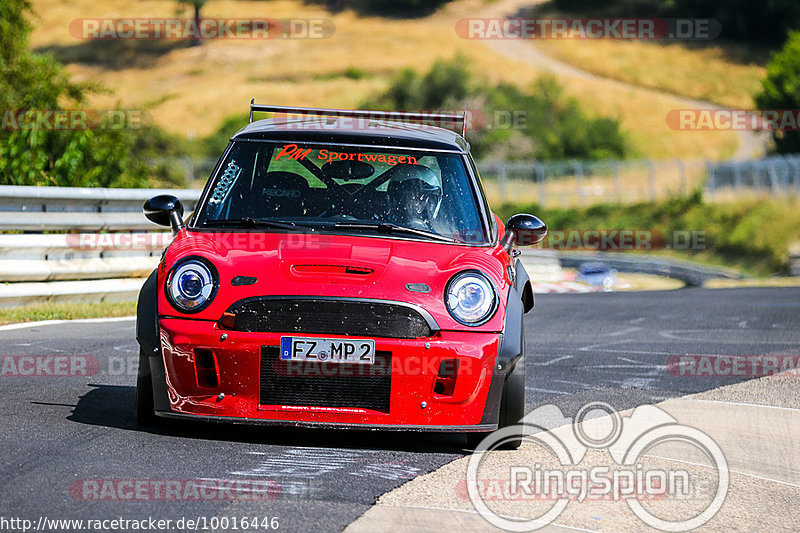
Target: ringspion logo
{"type": "Point", "coordinates": [564, 470]}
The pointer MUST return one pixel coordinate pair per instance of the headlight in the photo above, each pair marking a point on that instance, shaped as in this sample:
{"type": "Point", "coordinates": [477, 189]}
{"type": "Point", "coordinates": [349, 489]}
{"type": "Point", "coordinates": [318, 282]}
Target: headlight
{"type": "Point", "coordinates": [192, 285]}
{"type": "Point", "coordinates": [470, 298]}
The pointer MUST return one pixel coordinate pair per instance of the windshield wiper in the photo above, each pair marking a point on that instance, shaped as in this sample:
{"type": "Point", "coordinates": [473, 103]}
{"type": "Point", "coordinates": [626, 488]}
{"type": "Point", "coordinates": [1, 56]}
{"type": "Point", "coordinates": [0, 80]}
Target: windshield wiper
{"type": "Point", "coordinates": [388, 227]}
{"type": "Point", "coordinates": [248, 222]}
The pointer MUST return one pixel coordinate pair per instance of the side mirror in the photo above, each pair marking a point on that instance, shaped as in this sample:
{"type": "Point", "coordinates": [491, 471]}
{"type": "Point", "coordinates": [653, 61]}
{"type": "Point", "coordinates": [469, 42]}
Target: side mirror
{"type": "Point", "coordinates": [164, 210]}
{"type": "Point", "coordinates": [523, 230]}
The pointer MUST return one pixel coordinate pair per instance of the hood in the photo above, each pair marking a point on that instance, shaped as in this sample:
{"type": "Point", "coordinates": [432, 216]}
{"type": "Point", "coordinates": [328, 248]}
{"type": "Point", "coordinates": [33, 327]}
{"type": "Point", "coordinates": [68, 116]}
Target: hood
{"type": "Point", "coordinates": [343, 266]}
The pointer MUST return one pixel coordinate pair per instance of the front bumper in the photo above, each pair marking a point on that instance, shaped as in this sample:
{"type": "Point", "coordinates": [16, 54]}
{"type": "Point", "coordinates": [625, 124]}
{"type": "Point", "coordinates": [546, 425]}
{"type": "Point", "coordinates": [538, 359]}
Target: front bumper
{"type": "Point", "coordinates": [413, 402]}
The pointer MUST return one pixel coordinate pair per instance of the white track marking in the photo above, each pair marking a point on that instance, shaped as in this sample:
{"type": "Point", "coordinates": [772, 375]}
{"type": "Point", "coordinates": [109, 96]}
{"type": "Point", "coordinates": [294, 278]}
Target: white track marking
{"type": "Point", "coordinates": [683, 335]}
{"type": "Point", "coordinates": [391, 471]}
{"type": "Point", "coordinates": [621, 332]}
{"type": "Point", "coordinates": [22, 325]}
{"type": "Point", "coordinates": [739, 403]}
{"type": "Point", "coordinates": [568, 382]}
{"type": "Point", "coordinates": [637, 383]}
{"type": "Point", "coordinates": [547, 391]}
{"type": "Point", "coordinates": [601, 347]}
{"type": "Point", "coordinates": [557, 359]}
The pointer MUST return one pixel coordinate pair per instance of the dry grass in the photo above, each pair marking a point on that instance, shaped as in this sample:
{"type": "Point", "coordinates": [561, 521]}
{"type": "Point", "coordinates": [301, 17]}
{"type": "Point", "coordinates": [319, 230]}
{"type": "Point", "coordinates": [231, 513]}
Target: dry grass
{"type": "Point", "coordinates": [753, 282]}
{"type": "Point", "coordinates": [725, 76]}
{"type": "Point", "coordinates": [190, 90]}
{"type": "Point", "coordinates": [66, 311]}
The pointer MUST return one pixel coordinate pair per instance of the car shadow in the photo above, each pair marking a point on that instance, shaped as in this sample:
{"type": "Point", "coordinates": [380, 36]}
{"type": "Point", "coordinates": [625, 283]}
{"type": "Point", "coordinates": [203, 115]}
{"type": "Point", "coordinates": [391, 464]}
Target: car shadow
{"type": "Point", "coordinates": [112, 406]}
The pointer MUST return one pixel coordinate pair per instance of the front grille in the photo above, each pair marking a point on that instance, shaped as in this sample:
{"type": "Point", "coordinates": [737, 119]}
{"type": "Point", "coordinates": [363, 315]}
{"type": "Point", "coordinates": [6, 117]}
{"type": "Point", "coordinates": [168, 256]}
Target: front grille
{"type": "Point", "coordinates": [313, 384]}
{"type": "Point", "coordinates": [329, 317]}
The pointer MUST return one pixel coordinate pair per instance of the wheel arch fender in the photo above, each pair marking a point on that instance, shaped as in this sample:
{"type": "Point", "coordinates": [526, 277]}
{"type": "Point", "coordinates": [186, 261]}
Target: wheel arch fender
{"type": "Point", "coordinates": [523, 286]}
{"type": "Point", "coordinates": [147, 335]}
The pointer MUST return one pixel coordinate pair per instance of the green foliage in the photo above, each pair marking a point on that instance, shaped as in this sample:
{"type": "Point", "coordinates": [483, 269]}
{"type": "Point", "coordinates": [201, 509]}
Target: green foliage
{"type": "Point", "coordinates": [215, 144]}
{"type": "Point", "coordinates": [541, 123]}
{"type": "Point", "coordinates": [780, 89]}
{"type": "Point", "coordinates": [386, 8]}
{"type": "Point", "coordinates": [754, 234]}
{"type": "Point", "coordinates": [761, 21]}
{"type": "Point", "coordinates": [92, 158]}
{"type": "Point", "coordinates": [28, 80]}
{"type": "Point", "coordinates": [355, 73]}
{"type": "Point", "coordinates": [446, 84]}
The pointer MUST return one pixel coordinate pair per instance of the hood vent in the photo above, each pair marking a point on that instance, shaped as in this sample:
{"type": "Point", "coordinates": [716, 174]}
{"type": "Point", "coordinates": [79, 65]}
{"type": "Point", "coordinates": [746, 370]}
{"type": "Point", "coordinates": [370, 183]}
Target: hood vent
{"type": "Point", "coordinates": [333, 269]}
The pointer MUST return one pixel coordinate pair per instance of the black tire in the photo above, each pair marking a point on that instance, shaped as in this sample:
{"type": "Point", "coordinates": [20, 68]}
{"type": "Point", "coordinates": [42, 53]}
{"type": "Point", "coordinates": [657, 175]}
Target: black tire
{"type": "Point", "coordinates": [145, 409]}
{"type": "Point", "coordinates": [475, 438]}
{"type": "Point", "coordinates": [512, 404]}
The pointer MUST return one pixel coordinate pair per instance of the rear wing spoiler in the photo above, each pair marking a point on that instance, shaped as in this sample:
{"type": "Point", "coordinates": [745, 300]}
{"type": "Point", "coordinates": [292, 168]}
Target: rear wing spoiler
{"type": "Point", "coordinates": [399, 116]}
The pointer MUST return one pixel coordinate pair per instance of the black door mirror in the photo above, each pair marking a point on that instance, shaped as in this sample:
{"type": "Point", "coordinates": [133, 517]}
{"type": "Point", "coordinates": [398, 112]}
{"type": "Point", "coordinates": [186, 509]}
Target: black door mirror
{"type": "Point", "coordinates": [523, 230]}
{"type": "Point", "coordinates": [164, 210]}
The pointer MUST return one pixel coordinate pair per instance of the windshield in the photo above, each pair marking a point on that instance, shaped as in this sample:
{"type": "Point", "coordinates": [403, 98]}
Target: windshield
{"type": "Point", "coordinates": [345, 189]}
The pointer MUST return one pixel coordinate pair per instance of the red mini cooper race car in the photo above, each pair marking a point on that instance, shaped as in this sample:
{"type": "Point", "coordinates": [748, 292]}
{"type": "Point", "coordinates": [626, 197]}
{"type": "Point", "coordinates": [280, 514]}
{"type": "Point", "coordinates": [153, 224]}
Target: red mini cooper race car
{"type": "Point", "coordinates": [341, 270]}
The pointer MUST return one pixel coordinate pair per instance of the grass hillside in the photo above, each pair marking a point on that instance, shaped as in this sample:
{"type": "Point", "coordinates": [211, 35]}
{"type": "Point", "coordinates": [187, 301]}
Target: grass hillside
{"type": "Point", "coordinates": [191, 90]}
{"type": "Point", "coordinates": [726, 75]}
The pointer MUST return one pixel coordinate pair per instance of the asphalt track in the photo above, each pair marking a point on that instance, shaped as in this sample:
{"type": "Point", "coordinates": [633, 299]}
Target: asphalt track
{"type": "Point", "coordinates": [612, 347]}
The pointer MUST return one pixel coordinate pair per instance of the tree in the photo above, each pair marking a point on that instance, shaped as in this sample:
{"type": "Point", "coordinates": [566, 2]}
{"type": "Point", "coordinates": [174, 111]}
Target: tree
{"type": "Point", "coordinates": [540, 123]}
{"type": "Point", "coordinates": [197, 5]}
{"type": "Point", "coordinates": [38, 84]}
{"type": "Point", "coordinates": [780, 89]}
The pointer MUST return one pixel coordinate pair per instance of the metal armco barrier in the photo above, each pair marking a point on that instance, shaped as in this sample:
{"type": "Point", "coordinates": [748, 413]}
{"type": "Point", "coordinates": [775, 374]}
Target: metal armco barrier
{"type": "Point", "coordinates": [78, 243]}
{"type": "Point", "coordinates": [693, 274]}
{"type": "Point", "coordinates": [81, 243]}
{"type": "Point", "coordinates": [91, 209]}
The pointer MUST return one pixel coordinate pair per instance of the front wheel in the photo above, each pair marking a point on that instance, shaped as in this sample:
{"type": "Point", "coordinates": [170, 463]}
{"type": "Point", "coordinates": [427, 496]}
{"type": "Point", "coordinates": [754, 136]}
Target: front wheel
{"type": "Point", "coordinates": [512, 404]}
{"type": "Point", "coordinates": [512, 409]}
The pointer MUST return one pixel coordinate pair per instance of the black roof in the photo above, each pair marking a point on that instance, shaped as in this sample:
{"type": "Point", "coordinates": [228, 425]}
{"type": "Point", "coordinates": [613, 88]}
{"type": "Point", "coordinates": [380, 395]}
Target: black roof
{"type": "Point", "coordinates": [345, 130]}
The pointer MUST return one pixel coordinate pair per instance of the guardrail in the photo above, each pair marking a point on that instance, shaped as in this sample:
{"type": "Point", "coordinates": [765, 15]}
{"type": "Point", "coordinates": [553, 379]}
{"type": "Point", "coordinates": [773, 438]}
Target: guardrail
{"type": "Point", "coordinates": [693, 274]}
{"type": "Point", "coordinates": [78, 243]}
{"type": "Point", "coordinates": [94, 209]}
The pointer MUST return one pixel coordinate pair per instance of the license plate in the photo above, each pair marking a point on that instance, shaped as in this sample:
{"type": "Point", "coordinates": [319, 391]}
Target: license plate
{"type": "Point", "coordinates": [359, 351]}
